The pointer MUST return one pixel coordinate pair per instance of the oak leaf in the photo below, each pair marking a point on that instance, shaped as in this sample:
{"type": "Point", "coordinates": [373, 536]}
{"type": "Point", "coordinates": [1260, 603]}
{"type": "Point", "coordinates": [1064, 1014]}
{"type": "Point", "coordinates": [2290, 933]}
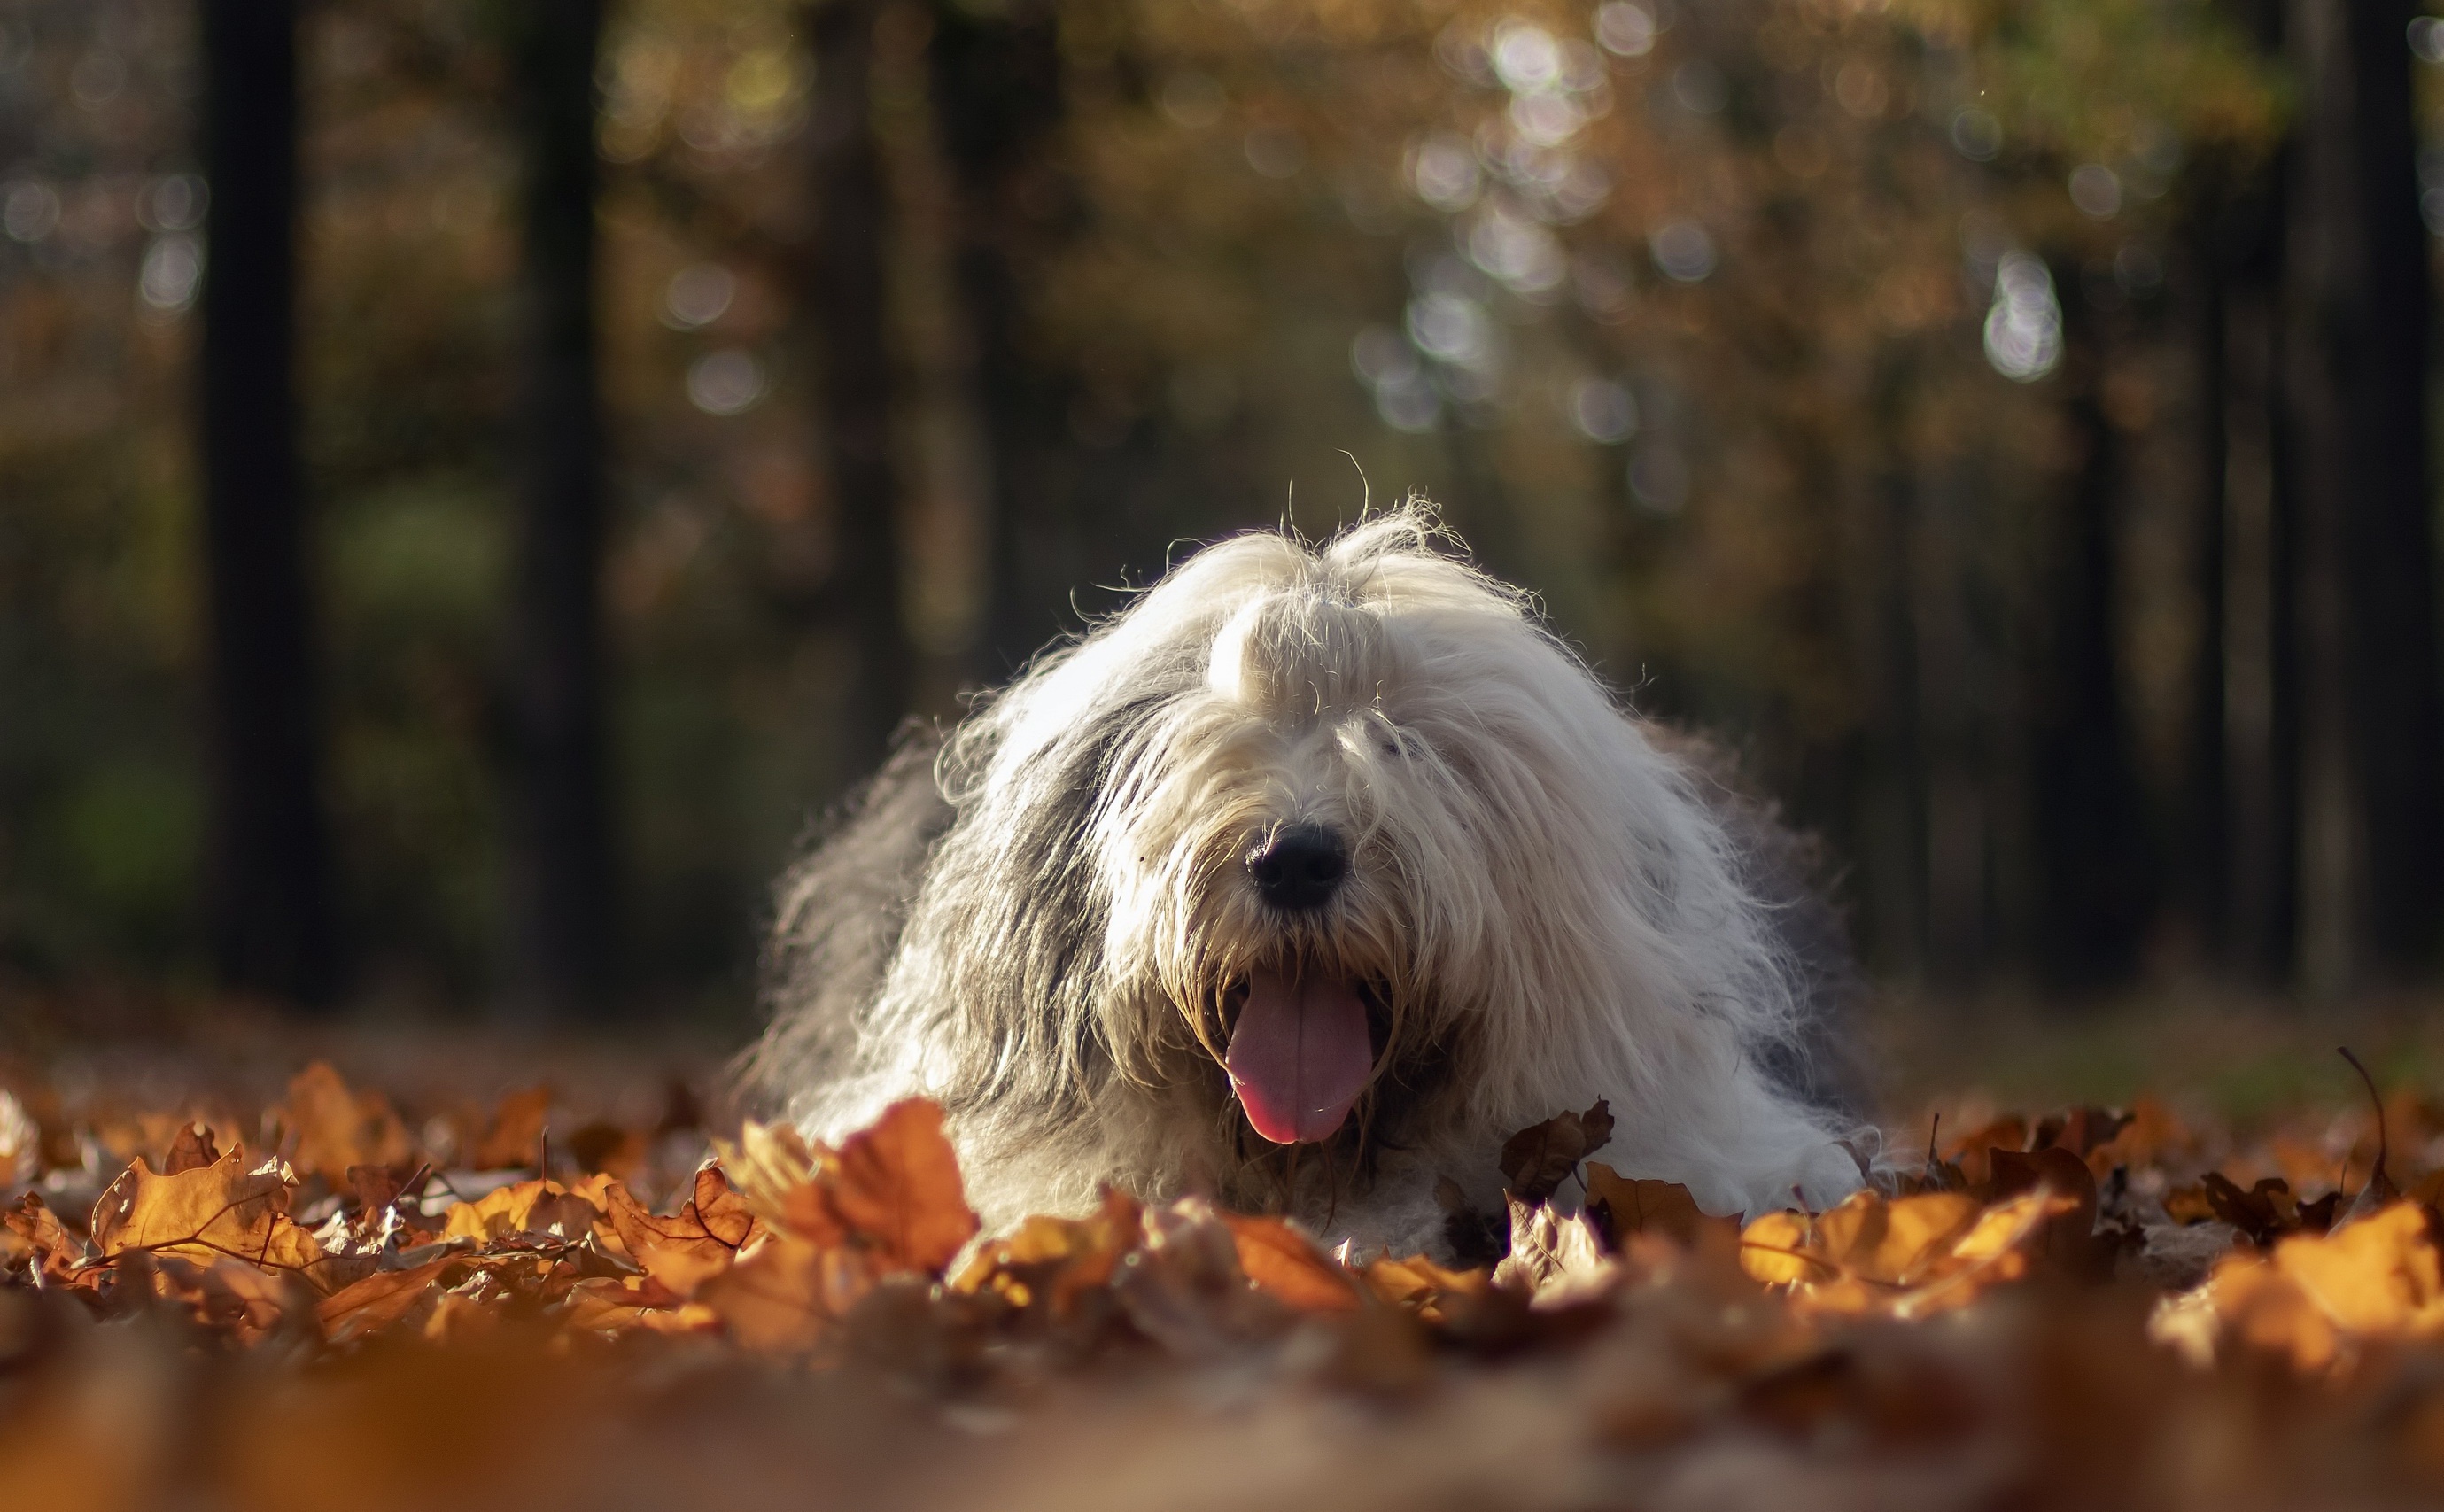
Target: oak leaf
{"type": "Point", "coordinates": [229, 1210]}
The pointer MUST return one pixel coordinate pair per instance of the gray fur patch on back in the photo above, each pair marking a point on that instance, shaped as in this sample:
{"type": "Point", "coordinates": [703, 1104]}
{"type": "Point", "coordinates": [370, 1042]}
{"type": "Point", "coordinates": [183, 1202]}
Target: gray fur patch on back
{"type": "Point", "coordinates": [839, 913]}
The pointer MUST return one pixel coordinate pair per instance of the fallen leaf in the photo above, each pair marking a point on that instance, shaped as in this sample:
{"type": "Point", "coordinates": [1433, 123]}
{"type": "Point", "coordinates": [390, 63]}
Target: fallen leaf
{"type": "Point", "coordinates": [32, 1235]}
{"type": "Point", "coordinates": [787, 1296]}
{"type": "Point", "coordinates": [190, 1149]}
{"type": "Point", "coordinates": [336, 1127]}
{"type": "Point", "coordinates": [1623, 1206]}
{"type": "Point", "coordinates": [1280, 1261]}
{"type": "Point", "coordinates": [539, 1207]}
{"type": "Point", "coordinates": [375, 1302]}
{"type": "Point", "coordinates": [698, 1242]}
{"type": "Point", "coordinates": [228, 1209]}
{"type": "Point", "coordinates": [515, 1137]}
{"type": "Point", "coordinates": [898, 1190]}
{"type": "Point", "coordinates": [1536, 1160]}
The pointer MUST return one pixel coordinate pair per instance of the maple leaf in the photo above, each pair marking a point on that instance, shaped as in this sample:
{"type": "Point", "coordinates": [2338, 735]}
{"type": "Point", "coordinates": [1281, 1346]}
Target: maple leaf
{"type": "Point", "coordinates": [1537, 1159]}
{"type": "Point", "coordinates": [700, 1240]}
{"type": "Point", "coordinates": [336, 1127]}
{"type": "Point", "coordinates": [226, 1210]}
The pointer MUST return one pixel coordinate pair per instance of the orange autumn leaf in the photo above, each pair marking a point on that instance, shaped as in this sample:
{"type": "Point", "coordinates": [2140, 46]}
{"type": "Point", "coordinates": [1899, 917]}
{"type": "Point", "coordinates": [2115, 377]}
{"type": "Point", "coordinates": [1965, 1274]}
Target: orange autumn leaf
{"type": "Point", "coordinates": [1057, 1258]}
{"type": "Point", "coordinates": [785, 1298]}
{"type": "Point", "coordinates": [336, 1127]}
{"type": "Point", "coordinates": [604, 1304]}
{"type": "Point", "coordinates": [32, 1235]}
{"type": "Point", "coordinates": [375, 1302]}
{"type": "Point", "coordinates": [700, 1240]}
{"type": "Point", "coordinates": [229, 1210]}
{"type": "Point", "coordinates": [1288, 1265]}
{"type": "Point", "coordinates": [515, 1137]}
{"type": "Point", "coordinates": [540, 1207]}
{"type": "Point", "coordinates": [1419, 1285]}
{"type": "Point", "coordinates": [779, 1175]}
{"type": "Point", "coordinates": [1637, 1205]}
{"type": "Point", "coordinates": [898, 1189]}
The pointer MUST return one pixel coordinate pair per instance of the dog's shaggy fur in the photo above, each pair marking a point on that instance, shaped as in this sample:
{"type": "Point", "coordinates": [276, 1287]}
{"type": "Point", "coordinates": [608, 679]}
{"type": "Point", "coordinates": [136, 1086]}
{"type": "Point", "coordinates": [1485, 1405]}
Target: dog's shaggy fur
{"type": "Point", "coordinates": [1049, 923]}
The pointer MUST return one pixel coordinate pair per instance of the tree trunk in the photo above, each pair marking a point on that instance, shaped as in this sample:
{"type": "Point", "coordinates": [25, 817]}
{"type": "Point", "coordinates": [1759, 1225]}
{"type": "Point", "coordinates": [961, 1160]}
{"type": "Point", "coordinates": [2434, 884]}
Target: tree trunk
{"type": "Point", "coordinates": [2389, 550]}
{"type": "Point", "coordinates": [562, 827]}
{"type": "Point", "coordinates": [2094, 883]}
{"type": "Point", "coordinates": [269, 877]}
{"type": "Point", "coordinates": [2356, 309]}
{"type": "Point", "coordinates": [849, 294]}
{"type": "Point", "coordinates": [998, 88]}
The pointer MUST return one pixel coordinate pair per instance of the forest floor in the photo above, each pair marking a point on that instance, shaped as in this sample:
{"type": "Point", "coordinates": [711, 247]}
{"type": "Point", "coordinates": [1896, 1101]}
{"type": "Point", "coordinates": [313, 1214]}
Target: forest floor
{"type": "Point", "coordinates": [2164, 1251]}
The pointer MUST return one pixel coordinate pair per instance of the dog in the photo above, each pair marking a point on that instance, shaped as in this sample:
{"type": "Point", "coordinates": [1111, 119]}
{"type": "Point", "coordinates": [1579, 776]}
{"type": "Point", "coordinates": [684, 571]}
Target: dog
{"type": "Point", "coordinates": [1302, 882]}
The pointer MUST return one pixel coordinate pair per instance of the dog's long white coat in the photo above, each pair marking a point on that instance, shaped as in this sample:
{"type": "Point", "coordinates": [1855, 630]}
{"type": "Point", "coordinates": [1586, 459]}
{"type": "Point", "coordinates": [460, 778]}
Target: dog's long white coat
{"type": "Point", "coordinates": [1543, 899]}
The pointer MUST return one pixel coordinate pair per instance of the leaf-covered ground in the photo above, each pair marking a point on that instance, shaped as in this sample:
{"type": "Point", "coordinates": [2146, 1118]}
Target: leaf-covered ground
{"type": "Point", "coordinates": [386, 1294]}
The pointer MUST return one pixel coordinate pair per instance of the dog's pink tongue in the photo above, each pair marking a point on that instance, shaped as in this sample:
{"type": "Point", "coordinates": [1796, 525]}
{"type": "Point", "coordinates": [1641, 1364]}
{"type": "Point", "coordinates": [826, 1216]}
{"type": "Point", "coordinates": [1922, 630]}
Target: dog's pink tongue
{"type": "Point", "coordinates": [1300, 1056]}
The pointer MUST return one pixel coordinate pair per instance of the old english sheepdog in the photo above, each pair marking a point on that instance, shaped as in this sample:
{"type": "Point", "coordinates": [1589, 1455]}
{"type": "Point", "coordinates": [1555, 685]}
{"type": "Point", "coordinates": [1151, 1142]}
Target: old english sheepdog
{"type": "Point", "coordinates": [1303, 882]}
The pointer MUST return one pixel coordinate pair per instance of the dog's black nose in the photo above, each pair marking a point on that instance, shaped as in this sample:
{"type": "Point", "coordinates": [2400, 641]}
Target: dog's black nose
{"type": "Point", "coordinates": [1300, 868]}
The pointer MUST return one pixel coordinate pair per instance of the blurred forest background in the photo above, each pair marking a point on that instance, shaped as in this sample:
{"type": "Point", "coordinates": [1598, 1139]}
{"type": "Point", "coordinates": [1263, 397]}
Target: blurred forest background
{"type": "Point", "coordinates": [478, 475]}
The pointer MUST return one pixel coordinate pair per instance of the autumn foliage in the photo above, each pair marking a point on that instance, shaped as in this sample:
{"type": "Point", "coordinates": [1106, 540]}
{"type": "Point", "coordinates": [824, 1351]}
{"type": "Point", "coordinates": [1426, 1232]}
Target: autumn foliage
{"type": "Point", "coordinates": [2093, 1309]}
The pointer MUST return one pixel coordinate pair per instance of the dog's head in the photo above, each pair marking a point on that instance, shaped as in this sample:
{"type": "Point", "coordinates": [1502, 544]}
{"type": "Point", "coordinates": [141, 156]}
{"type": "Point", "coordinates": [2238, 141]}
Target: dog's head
{"type": "Point", "coordinates": [1340, 821]}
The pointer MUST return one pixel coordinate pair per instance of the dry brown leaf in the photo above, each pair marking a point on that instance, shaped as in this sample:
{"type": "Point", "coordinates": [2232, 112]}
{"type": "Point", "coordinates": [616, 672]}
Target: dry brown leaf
{"type": "Point", "coordinates": [1056, 1261]}
{"type": "Point", "coordinates": [777, 1173]}
{"type": "Point", "coordinates": [190, 1149]}
{"type": "Point", "coordinates": [375, 1302]}
{"type": "Point", "coordinates": [787, 1296]}
{"type": "Point", "coordinates": [1625, 1206]}
{"type": "Point", "coordinates": [1420, 1286]}
{"type": "Point", "coordinates": [898, 1190]}
{"type": "Point", "coordinates": [700, 1242]}
{"type": "Point", "coordinates": [1536, 1160]}
{"type": "Point", "coordinates": [543, 1209]}
{"type": "Point", "coordinates": [336, 1127]}
{"type": "Point", "coordinates": [515, 1137]}
{"type": "Point", "coordinates": [1286, 1264]}
{"type": "Point", "coordinates": [229, 1210]}
{"type": "Point", "coordinates": [32, 1235]}
{"type": "Point", "coordinates": [609, 1304]}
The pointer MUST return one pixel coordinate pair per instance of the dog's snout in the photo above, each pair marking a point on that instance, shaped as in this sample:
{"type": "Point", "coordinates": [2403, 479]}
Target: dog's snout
{"type": "Point", "coordinates": [1300, 868]}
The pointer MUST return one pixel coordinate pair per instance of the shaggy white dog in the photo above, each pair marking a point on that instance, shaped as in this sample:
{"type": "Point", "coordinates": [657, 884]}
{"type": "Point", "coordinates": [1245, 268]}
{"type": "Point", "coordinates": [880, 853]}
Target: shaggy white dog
{"type": "Point", "coordinates": [1303, 882]}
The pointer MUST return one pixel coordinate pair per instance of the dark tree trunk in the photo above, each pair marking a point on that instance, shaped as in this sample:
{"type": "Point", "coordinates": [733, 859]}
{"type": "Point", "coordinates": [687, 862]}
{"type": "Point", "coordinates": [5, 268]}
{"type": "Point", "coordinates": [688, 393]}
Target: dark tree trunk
{"type": "Point", "coordinates": [998, 86]}
{"type": "Point", "coordinates": [2203, 812]}
{"type": "Point", "coordinates": [562, 825]}
{"type": "Point", "coordinates": [270, 868]}
{"type": "Point", "coordinates": [2356, 309]}
{"type": "Point", "coordinates": [2093, 876]}
{"type": "Point", "coordinates": [2397, 711]}
{"type": "Point", "coordinates": [849, 296]}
